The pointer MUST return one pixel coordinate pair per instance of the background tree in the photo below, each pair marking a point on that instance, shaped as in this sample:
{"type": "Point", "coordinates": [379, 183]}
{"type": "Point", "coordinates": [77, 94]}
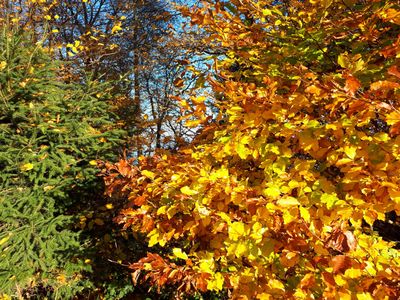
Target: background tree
{"type": "Point", "coordinates": [114, 39]}
{"type": "Point", "coordinates": [51, 135]}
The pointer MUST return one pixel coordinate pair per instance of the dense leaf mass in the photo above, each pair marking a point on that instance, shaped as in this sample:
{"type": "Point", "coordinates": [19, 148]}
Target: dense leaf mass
{"type": "Point", "coordinates": [279, 200]}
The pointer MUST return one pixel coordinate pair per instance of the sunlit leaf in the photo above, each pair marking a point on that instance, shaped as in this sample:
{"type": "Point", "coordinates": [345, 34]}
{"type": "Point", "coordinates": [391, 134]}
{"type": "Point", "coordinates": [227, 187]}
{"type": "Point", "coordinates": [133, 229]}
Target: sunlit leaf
{"type": "Point", "coordinates": [26, 167]}
{"type": "Point", "coordinates": [179, 253]}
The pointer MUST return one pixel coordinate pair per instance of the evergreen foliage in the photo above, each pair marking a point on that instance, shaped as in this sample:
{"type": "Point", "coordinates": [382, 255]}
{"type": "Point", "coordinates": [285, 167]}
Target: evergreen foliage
{"type": "Point", "coordinates": [51, 134]}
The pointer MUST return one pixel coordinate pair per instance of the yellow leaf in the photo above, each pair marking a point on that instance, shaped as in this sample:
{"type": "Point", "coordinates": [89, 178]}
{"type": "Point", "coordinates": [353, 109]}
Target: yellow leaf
{"type": "Point", "coordinates": [257, 232]}
{"type": "Point", "coordinates": [116, 28]}
{"type": "Point", "coordinates": [5, 296]}
{"type": "Point", "coordinates": [352, 273]}
{"type": "Point", "coordinates": [171, 211]}
{"type": "Point", "coordinates": [370, 268]}
{"type": "Point", "coordinates": [350, 151]}
{"type": "Point", "coordinates": [3, 65]}
{"type": "Point", "coordinates": [93, 163]}
{"type": "Point", "coordinates": [192, 123]}
{"type": "Point", "coordinates": [340, 281]}
{"type": "Point", "coordinates": [267, 12]}
{"type": "Point", "coordinates": [289, 215]}
{"type": "Point", "coordinates": [276, 284]}
{"type": "Point", "coordinates": [221, 173]}
{"type": "Point", "coordinates": [312, 89]}
{"type": "Point", "coordinates": [162, 210]}
{"type": "Point", "coordinates": [27, 167]}
{"type": "Point", "coordinates": [236, 230]}
{"type": "Point", "coordinates": [299, 295]}
{"type": "Point", "coordinates": [109, 206]}
{"type": "Point", "coordinates": [48, 188]}
{"type": "Point", "coordinates": [179, 253]}
{"type": "Point", "coordinates": [343, 60]}
{"type": "Point", "coordinates": [264, 296]}
{"type": "Point", "coordinates": [224, 217]}
{"type": "Point", "coordinates": [272, 191]}
{"type": "Point", "coordinates": [364, 296]}
{"type": "Point", "coordinates": [242, 151]}
{"type": "Point", "coordinates": [382, 137]}
{"type": "Point", "coordinates": [188, 191]}
{"type": "Point", "coordinates": [279, 166]}
{"type": "Point", "coordinates": [305, 214]}
{"type": "Point", "coordinates": [4, 240]}
{"type": "Point", "coordinates": [287, 201]}
{"type": "Point", "coordinates": [329, 199]}
{"type": "Point", "coordinates": [216, 283]}
{"type": "Point", "coordinates": [234, 110]}
{"type": "Point", "coordinates": [199, 100]}
{"type": "Point", "coordinates": [207, 265]}
{"type": "Point", "coordinates": [241, 249]}
{"type": "Point", "coordinates": [149, 174]}
{"type": "Point", "coordinates": [154, 235]}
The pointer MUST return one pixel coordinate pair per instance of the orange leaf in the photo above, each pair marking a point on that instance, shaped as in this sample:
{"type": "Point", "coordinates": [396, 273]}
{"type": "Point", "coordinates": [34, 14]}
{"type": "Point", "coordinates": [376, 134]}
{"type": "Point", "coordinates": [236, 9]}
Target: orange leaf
{"type": "Point", "coordinates": [352, 84]}
{"type": "Point", "coordinates": [328, 278]}
{"type": "Point", "coordinates": [178, 82]}
{"type": "Point", "coordinates": [394, 71]}
{"type": "Point", "coordinates": [384, 85]}
{"type": "Point", "coordinates": [139, 200]}
{"type": "Point", "coordinates": [307, 281]}
{"type": "Point", "coordinates": [289, 259]}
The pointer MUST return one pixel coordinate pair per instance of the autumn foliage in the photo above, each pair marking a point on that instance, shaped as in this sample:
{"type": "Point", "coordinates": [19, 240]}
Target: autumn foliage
{"type": "Point", "coordinates": [278, 196]}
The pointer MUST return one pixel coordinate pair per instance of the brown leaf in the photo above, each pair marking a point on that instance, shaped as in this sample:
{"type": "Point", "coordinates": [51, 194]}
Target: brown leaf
{"type": "Point", "coordinates": [147, 224]}
{"type": "Point", "coordinates": [183, 61]}
{"type": "Point", "coordinates": [389, 51]}
{"type": "Point", "coordinates": [337, 241]}
{"type": "Point", "coordinates": [178, 82]}
{"type": "Point", "coordinates": [340, 263]}
{"type": "Point", "coordinates": [342, 241]}
{"type": "Point", "coordinates": [395, 129]}
{"type": "Point", "coordinates": [328, 278]}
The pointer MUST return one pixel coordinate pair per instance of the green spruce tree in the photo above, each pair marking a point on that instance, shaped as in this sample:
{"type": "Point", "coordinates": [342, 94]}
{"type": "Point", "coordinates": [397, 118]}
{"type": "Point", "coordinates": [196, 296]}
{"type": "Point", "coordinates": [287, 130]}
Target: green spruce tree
{"type": "Point", "coordinates": [51, 134]}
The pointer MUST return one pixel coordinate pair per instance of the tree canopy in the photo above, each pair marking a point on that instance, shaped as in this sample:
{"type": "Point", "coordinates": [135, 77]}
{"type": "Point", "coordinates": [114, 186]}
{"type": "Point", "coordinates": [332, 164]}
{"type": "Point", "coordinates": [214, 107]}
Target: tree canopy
{"type": "Point", "coordinates": [260, 159]}
{"type": "Point", "coordinates": [279, 194]}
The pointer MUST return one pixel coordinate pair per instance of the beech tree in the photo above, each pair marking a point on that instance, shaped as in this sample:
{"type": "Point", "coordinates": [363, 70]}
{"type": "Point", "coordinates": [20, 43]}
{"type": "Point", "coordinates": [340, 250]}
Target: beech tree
{"type": "Point", "coordinates": [284, 192]}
